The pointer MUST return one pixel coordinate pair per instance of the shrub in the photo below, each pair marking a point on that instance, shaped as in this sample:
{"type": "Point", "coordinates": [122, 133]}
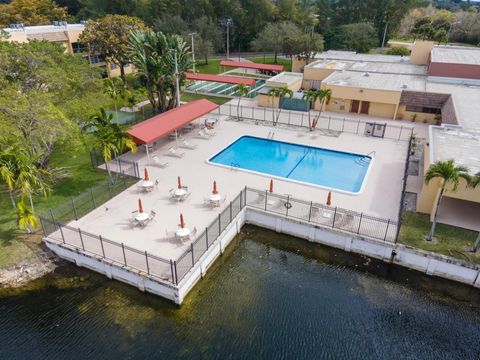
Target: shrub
{"type": "Point", "coordinates": [398, 50]}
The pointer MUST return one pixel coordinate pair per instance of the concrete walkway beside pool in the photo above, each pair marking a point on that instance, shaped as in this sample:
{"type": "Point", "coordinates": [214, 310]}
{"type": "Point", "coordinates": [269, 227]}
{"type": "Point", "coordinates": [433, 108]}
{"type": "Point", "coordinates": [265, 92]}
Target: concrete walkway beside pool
{"type": "Point", "coordinates": [381, 195]}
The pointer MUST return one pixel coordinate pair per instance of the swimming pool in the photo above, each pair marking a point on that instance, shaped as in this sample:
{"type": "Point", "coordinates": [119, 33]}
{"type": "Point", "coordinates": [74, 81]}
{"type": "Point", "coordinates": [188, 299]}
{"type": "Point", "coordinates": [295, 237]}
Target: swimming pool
{"type": "Point", "coordinates": [331, 169]}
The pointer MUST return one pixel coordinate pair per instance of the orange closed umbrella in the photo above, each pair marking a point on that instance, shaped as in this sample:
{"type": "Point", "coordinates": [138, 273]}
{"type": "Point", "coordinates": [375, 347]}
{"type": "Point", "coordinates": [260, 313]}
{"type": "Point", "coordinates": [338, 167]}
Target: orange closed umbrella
{"type": "Point", "coordinates": [179, 181]}
{"type": "Point", "coordinates": [140, 207]}
{"type": "Point", "coordinates": [182, 223]}
{"type": "Point", "coordinates": [329, 198]}
{"type": "Point", "coordinates": [271, 186]}
{"type": "Point", "coordinates": [214, 187]}
{"type": "Point", "coordinates": [146, 178]}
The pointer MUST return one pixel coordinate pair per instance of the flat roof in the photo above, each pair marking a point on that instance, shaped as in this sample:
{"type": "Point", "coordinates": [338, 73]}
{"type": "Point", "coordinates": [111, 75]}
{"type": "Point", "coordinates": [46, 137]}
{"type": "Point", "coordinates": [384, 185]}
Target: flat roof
{"type": "Point", "coordinates": [221, 79]}
{"type": "Point", "coordinates": [456, 55]}
{"type": "Point", "coordinates": [392, 82]}
{"type": "Point", "coordinates": [370, 66]}
{"type": "Point", "coordinates": [251, 65]}
{"type": "Point", "coordinates": [44, 28]}
{"type": "Point", "coordinates": [455, 143]}
{"type": "Point", "coordinates": [155, 128]}
{"type": "Point", "coordinates": [286, 77]}
{"type": "Point", "coordinates": [353, 56]}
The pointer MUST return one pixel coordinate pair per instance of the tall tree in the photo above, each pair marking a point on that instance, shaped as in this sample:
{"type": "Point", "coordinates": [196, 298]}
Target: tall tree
{"type": "Point", "coordinates": [279, 93]}
{"type": "Point", "coordinates": [449, 176]}
{"type": "Point", "coordinates": [31, 12]}
{"type": "Point", "coordinates": [115, 88]}
{"type": "Point", "coordinates": [354, 37]}
{"type": "Point", "coordinates": [109, 36]}
{"type": "Point", "coordinates": [305, 47]}
{"type": "Point", "coordinates": [241, 91]}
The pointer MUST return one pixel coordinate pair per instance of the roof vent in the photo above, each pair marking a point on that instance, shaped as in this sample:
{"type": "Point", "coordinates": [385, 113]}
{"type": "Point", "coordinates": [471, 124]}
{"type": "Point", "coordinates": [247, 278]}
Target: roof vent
{"type": "Point", "coordinates": [404, 86]}
{"type": "Point", "coordinates": [366, 74]}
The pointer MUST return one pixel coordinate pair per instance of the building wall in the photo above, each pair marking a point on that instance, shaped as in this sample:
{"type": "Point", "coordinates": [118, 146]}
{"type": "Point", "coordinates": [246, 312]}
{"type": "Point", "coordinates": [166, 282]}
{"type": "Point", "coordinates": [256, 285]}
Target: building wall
{"type": "Point", "coordinates": [449, 114]}
{"type": "Point", "coordinates": [266, 101]}
{"type": "Point", "coordinates": [311, 73]}
{"type": "Point", "coordinates": [421, 52]}
{"type": "Point", "coordinates": [463, 71]}
{"type": "Point", "coordinates": [297, 65]}
{"type": "Point", "coordinates": [403, 114]}
{"type": "Point", "coordinates": [294, 86]}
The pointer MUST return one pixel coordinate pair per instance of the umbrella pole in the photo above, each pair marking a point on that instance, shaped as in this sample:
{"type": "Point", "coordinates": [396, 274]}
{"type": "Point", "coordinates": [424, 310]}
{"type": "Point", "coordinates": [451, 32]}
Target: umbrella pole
{"type": "Point", "coordinates": [148, 155]}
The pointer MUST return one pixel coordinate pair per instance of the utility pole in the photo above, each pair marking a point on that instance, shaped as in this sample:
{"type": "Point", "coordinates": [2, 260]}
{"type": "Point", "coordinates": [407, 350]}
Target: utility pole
{"type": "Point", "coordinates": [227, 22]}
{"type": "Point", "coordinates": [385, 34]}
{"type": "Point", "coordinates": [177, 76]}
{"type": "Point", "coordinates": [193, 49]}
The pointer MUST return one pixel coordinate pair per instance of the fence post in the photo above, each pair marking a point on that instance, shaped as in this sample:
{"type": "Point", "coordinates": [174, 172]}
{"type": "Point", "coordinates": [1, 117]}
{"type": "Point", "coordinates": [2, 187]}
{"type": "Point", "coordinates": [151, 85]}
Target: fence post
{"type": "Point", "coordinates": [81, 238]}
{"type": "Point", "coordinates": [176, 274]}
{"type": "Point", "coordinates": [74, 210]}
{"type": "Point", "coordinates": [334, 216]}
{"type": "Point", "coordinates": [358, 125]}
{"type": "Point", "coordinates": [171, 270]}
{"type": "Point", "coordinates": [386, 231]}
{"type": "Point", "coordinates": [266, 196]}
{"type": "Point", "coordinates": [53, 219]}
{"type": "Point", "coordinates": [124, 257]}
{"type": "Point", "coordinates": [93, 198]}
{"type": "Point", "coordinates": [301, 122]}
{"type": "Point", "coordinates": [109, 190]}
{"type": "Point", "coordinates": [43, 227]}
{"type": "Point", "coordinates": [287, 206]}
{"type": "Point", "coordinates": [289, 113]}
{"type": "Point", "coordinates": [400, 132]}
{"type": "Point", "coordinates": [124, 182]}
{"type": "Point", "coordinates": [61, 232]}
{"type": "Point", "coordinates": [329, 120]}
{"type": "Point", "coordinates": [310, 211]}
{"type": "Point", "coordinates": [343, 124]}
{"type": "Point", "coordinates": [146, 261]}
{"type": "Point", "coordinates": [360, 223]}
{"type": "Point", "coordinates": [231, 218]}
{"type": "Point", "coordinates": [193, 257]}
{"type": "Point", "coordinates": [245, 197]}
{"type": "Point", "coordinates": [119, 165]}
{"type": "Point", "coordinates": [206, 236]}
{"type": "Point", "coordinates": [219, 225]}
{"type": "Point", "coordinates": [101, 244]}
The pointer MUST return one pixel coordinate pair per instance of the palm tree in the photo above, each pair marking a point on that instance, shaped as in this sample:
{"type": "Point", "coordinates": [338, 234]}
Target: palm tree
{"type": "Point", "coordinates": [115, 88]}
{"type": "Point", "coordinates": [6, 173]}
{"type": "Point", "coordinates": [279, 93]}
{"type": "Point", "coordinates": [242, 90]}
{"type": "Point", "coordinates": [312, 96]}
{"type": "Point", "coordinates": [474, 182]}
{"type": "Point", "coordinates": [26, 219]}
{"type": "Point", "coordinates": [108, 136]}
{"type": "Point", "coordinates": [325, 95]}
{"type": "Point", "coordinates": [449, 175]}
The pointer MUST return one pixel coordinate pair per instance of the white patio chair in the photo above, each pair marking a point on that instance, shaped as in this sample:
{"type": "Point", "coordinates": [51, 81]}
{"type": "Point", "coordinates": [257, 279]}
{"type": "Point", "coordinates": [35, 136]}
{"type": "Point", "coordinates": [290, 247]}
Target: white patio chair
{"type": "Point", "coordinates": [174, 153]}
{"type": "Point", "coordinates": [158, 162]}
{"type": "Point", "coordinates": [186, 145]}
{"type": "Point", "coordinates": [203, 135]}
{"type": "Point", "coordinates": [209, 132]}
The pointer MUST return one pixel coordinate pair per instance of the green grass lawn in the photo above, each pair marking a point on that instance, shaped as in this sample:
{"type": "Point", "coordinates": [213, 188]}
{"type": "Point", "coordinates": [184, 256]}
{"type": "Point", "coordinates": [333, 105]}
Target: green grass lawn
{"type": "Point", "coordinates": [213, 66]}
{"type": "Point", "coordinates": [451, 241]}
{"type": "Point", "coordinates": [216, 99]}
{"type": "Point", "coordinates": [271, 60]}
{"type": "Point", "coordinates": [14, 244]}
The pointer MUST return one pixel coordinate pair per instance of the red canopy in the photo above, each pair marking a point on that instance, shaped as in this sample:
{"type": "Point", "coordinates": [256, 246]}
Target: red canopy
{"type": "Point", "coordinates": [221, 79]}
{"type": "Point", "coordinates": [151, 130]}
{"type": "Point", "coordinates": [249, 65]}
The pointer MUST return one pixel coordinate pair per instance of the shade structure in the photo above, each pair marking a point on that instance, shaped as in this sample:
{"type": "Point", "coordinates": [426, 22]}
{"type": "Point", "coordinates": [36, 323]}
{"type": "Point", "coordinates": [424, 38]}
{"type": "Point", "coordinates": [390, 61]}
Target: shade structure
{"type": "Point", "coordinates": [271, 186]}
{"type": "Point", "coordinates": [140, 207]}
{"type": "Point", "coordinates": [251, 65]}
{"type": "Point", "coordinates": [182, 222]}
{"type": "Point", "coordinates": [214, 187]}
{"type": "Point", "coordinates": [153, 129]}
{"type": "Point", "coordinates": [221, 79]}
{"type": "Point", "coordinates": [145, 177]}
{"type": "Point", "coordinates": [179, 182]}
{"type": "Point", "coordinates": [329, 198]}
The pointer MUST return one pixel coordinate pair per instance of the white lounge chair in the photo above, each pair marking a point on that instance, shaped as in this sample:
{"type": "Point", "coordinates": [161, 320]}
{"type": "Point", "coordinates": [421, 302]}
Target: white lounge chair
{"type": "Point", "coordinates": [174, 153]}
{"type": "Point", "coordinates": [209, 132]}
{"type": "Point", "coordinates": [186, 145]}
{"type": "Point", "coordinates": [158, 162]}
{"type": "Point", "coordinates": [203, 135]}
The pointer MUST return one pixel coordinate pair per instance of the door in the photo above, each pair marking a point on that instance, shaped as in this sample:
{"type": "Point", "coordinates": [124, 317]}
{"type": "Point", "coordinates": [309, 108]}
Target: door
{"type": "Point", "coordinates": [364, 108]}
{"type": "Point", "coordinates": [354, 106]}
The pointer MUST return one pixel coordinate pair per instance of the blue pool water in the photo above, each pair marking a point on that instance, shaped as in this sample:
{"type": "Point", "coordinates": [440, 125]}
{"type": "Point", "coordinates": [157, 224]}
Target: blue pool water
{"type": "Point", "coordinates": [322, 167]}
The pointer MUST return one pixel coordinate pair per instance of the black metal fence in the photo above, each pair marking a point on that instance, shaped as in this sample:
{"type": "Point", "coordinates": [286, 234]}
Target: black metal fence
{"type": "Point", "coordinates": [269, 116]}
{"type": "Point", "coordinates": [322, 215]}
{"type": "Point", "coordinates": [117, 165]}
{"type": "Point", "coordinates": [404, 188]}
{"type": "Point", "coordinates": [89, 200]}
{"type": "Point", "coordinates": [207, 237]}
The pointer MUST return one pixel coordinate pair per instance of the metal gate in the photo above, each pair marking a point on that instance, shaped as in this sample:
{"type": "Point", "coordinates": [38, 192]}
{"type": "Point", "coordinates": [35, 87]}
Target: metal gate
{"type": "Point", "coordinates": [375, 130]}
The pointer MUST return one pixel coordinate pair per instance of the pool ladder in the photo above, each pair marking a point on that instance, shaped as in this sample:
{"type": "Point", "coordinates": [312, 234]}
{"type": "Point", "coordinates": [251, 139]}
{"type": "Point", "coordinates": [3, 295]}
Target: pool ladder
{"type": "Point", "coordinates": [234, 166]}
{"type": "Point", "coordinates": [365, 160]}
{"type": "Point", "coordinates": [270, 135]}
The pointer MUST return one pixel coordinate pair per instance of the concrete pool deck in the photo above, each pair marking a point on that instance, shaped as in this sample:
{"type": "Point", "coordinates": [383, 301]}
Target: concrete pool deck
{"type": "Point", "coordinates": [381, 196]}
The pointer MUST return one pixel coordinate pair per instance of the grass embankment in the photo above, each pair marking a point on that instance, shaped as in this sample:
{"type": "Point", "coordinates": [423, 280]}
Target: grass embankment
{"type": "Point", "coordinates": [14, 244]}
{"type": "Point", "coordinates": [451, 240]}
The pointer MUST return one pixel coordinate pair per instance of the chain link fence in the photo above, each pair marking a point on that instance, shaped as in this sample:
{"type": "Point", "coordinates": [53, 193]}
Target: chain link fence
{"type": "Point", "coordinates": [269, 116]}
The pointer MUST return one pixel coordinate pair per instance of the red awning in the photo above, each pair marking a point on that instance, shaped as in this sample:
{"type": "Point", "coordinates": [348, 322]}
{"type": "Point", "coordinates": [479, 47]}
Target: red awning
{"type": "Point", "coordinates": [151, 130]}
{"type": "Point", "coordinates": [249, 65]}
{"type": "Point", "coordinates": [221, 79]}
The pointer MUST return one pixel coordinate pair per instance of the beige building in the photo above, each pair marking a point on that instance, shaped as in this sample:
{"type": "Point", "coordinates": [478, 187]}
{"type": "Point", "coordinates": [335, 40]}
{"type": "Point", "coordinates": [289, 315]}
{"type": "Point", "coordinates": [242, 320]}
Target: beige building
{"type": "Point", "coordinates": [439, 85]}
{"type": "Point", "coordinates": [66, 35]}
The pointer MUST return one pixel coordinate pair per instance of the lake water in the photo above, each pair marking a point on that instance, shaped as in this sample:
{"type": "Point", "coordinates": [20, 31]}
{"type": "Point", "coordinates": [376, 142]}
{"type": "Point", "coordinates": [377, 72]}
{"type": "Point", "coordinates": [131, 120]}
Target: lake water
{"type": "Point", "coordinates": [269, 297]}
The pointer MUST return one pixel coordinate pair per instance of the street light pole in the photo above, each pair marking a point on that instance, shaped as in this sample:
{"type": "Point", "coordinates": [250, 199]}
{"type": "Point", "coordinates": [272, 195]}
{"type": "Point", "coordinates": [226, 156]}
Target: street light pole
{"type": "Point", "coordinates": [193, 49]}
{"type": "Point", "coordinates": [177, 76]}
{"type": "Point", "coordinates": [227, 22]}
{"type": "Point", "coordinates": [385, 34]}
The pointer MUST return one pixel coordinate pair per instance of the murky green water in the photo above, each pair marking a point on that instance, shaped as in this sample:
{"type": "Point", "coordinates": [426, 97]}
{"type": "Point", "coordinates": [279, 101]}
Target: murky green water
{"type": "Point", "coordinates": [269, 297]}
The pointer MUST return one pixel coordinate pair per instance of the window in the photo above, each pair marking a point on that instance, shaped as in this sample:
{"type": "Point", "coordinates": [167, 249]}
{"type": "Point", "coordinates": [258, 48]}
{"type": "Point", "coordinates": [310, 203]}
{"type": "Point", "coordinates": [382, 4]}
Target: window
{"type": "Point", "coordinates": [421, 109]}
{"type": "Point", "coordinates": [95, 59]}
{"type": "Point", "coordinates": [77, 48]}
